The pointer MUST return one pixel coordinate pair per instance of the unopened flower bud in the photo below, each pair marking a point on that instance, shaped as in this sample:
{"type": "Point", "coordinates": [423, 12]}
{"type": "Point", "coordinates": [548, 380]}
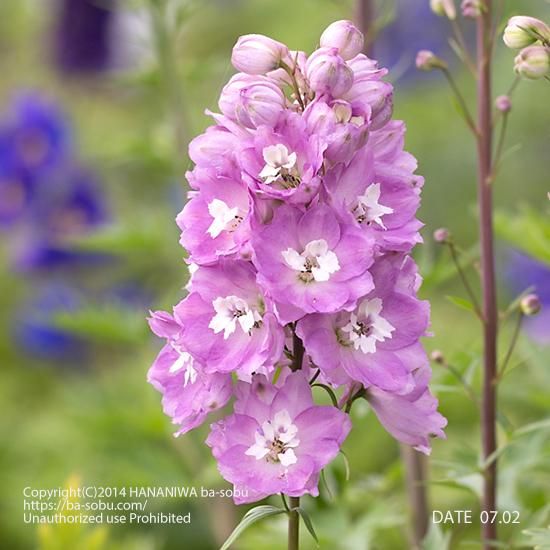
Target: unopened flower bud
{"type": "Point", "coordinates": [345, 36]}
{"type": "Point", "coordinates": [327, 72]}
{"type": "Point", "coordinates": [442, 235]}
{"type": "Point", "coordinates": [257, 54]}
{"type": "Point", "coordinates": [444, 8]}
{"type": "Point", "coordinates": [471, 8]}
{"type": "Point", "coordinates": [252, 100]}
{"type": "Point", "coordinates": [532, 62]}
{"type": "Point", "coordinates": [427, 61]}
{"type": "Point", "coordinates": [522, 31]}
{"type": "Point", "coordinates": [530, 304]}
{"type": "Point", "coordinates": [503, 104]}
{"type": "Point", "coordinates": [437, 357]}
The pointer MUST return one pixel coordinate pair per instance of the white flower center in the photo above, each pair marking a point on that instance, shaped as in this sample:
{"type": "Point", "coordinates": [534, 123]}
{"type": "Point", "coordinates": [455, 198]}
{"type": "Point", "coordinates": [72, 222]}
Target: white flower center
{"type": "Point", "coordinates": [316, 262]}
{"type": "Point", "coordinates": [224, 218]}
{"type": "Point", "coordinates": [231, 311]}
{"type": "Point", "coordinates": [367, 326]}
{"type": "Point", "coordinates": [280, 166]}
{"type": "Point", "coordinates": [276, 440]}
{"type": "Point", "coordinates": [184, 361]}
{"type": "Point", "coordinates": [368, 209]}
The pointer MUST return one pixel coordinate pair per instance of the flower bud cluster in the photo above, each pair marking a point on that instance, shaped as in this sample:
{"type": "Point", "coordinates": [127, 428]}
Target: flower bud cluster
{"type": "Point", "coordinates": [532, 37]}
{"type": "Point", "coordinates": [299, 227]}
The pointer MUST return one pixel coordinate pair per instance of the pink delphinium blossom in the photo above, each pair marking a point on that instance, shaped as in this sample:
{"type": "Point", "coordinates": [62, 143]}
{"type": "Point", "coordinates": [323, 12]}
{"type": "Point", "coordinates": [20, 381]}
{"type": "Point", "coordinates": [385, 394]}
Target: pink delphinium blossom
{"type": "Point", "coordinates": [300, 221]}
{"type": "Point", "coordinates": [278, 442]}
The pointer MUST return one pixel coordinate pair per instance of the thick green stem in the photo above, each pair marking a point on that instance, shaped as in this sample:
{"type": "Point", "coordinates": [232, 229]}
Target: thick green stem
{"type": "Point", "coordinates": [293, 524]}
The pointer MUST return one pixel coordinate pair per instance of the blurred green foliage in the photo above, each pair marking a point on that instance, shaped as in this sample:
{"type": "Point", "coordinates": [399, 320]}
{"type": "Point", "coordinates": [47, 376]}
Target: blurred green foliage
{"type": "Point", "coordinates": [104, 424]}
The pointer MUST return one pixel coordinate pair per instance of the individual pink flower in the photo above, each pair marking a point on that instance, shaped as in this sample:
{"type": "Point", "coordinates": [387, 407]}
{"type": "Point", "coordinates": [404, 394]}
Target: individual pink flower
{"type": "Point", "coordinates": [278, 441]}
{"type": "Point", "coordinates": [188, 394]}
{"type": "Point", "coordinates": [227, 322]}
{"type": "Point", "coordinates": [311, 262]}
{"type": "Point", "coordinates": [379, 192]}
{"type": "Point", "coordinates": [376, 344]}
{"type": "Point", "coordinates": [283, 162]}
{"type": "Point", "coordinates": [215, 223]}
{"type": "Point", "coordinates": [411, 418]}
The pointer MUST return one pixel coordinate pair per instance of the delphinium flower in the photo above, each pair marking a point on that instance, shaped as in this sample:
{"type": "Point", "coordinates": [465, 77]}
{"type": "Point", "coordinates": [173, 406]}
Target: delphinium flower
{"type": "Point", "coordinates": [299, 227]}
{"type": "Point", "coordinates": [47, 196]}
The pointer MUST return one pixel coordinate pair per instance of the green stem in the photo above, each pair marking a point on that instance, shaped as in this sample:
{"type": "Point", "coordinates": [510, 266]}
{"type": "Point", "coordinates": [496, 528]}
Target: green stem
{"type": "Point", "coordinates": [164, 44]}
{"type": "Point", "coordinates": [462, 43]}
{"type": "Point", "coordinates": [463, 107]}
{"type": "Point", "coordinates": [464, 280]}
{"type": "Point", "coordinates": [513, 342]}
{"type": "Point", "coordinates": [293, 524]}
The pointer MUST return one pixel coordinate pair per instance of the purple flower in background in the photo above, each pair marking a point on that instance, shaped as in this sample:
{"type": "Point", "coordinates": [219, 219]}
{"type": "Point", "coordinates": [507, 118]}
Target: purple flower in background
{"type": "Point", "coordinates": [300, 221]}
{"type": "Point", "coordinates": [75, 206]}
{"type": "Point", "coordinates": [279, 442]}
{"type": "Point", "coordinates": [522, 272]}
{"type": "Point", "coordinates": [44, 193]}
{"type": "Point", "coordinates": [34, 137]}
{"type": "Point", "coordinates": [83, 35]}
{"type": "Point", "coordinates": [34, 328]}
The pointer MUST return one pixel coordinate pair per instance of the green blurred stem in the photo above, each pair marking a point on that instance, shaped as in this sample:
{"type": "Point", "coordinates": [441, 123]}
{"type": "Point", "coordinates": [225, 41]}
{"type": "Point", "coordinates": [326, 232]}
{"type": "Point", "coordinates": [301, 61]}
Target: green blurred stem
{"type": "Point", "coordinates": [513, 342]}
{"type": "Point", "coordinates": [457, 30]}
{"type": "Point", "coordinates": [462, 103]}
{"type": "Point", "coordinates": [415, 472]}
{"type": "Point", "coordinates": [164, 43]}
{"type": "Point", "coordinates": [500, 145]}
{"type": "Point", "coordinates": [293, 524]}
{"type": "Point", "coordinates": [464, 279]}
{"type": "Point", "coordinates": [469, 390]}
{"type": "Point", "coordinates": [488, 285]}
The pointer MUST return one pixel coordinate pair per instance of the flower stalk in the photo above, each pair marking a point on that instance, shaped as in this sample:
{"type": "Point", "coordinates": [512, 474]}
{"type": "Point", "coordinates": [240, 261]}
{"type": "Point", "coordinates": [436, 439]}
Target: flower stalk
{"type": "Point", "coordinates": [293, 524]}
{"type": "Point", "coordinates": [490, 313]}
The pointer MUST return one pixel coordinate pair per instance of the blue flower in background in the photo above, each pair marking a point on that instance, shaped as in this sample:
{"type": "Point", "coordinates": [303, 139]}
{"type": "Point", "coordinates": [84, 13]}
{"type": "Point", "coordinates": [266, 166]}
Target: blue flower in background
{"type": "Point", "coordinates": [414, 28]}
{"type": "Point", "coordinates": [74, 207]}
{"type": "Point", "coordinates": [522, 272]}
{"type": "Point", "coordinates": [34, 330]}
{"type": "Point", "coordinates": [35, 136]}
{"type": "Point", "coordinates": [44, 191]}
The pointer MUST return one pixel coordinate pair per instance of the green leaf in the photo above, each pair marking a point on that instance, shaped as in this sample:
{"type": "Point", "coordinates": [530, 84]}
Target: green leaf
{"type": "Point", "coordinates": [104, 324]}
{"type": "Point", "coordinates": [251, 517]}
{"type": "Point", "coordinates": [528, 231]}
{"type": "Point", "coordinates": [534, 426]}
{"type": "Point", "coordinates": [346, 464]}
{"type": "Point", "coordinates": [308, 523]}
{"type": "Point", "coordinates": [539, 539]}
{"type": "Point", "coordinates": [436, 538]}
{"type": "Point", "coordinates": [461, 302]}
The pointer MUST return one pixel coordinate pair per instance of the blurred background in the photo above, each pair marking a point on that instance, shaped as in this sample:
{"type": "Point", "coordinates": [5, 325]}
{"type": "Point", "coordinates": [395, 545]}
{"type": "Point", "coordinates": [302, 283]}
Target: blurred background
{"type": "Point", "coordinates": [98, 99]}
